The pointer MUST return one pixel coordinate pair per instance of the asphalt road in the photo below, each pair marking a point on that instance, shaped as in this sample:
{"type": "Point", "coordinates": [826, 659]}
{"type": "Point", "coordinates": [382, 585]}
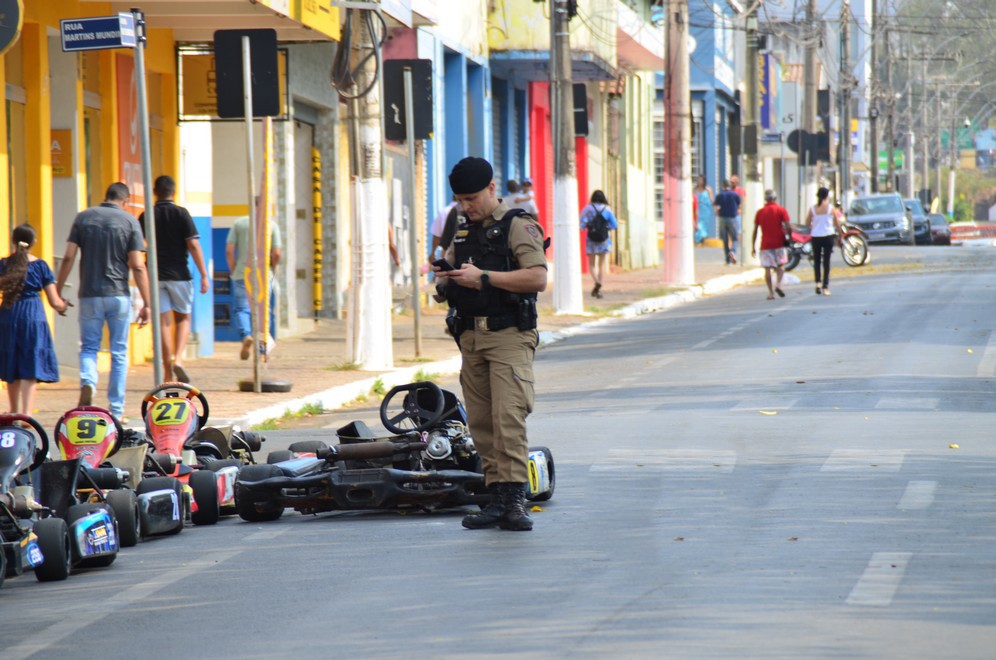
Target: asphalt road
{"type": "Point", "coordinates": [806, 477]}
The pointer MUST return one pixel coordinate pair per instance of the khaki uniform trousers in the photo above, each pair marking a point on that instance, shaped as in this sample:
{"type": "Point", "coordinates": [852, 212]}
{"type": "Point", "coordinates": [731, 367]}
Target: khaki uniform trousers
{"type": "Point", "coordinates": [498, 390]}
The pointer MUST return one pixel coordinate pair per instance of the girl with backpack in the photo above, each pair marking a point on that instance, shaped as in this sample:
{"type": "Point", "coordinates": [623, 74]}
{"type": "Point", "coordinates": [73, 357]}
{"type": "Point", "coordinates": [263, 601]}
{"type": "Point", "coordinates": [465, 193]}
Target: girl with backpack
{"type": "Point", "coordinates": [597, 218]}
{"type": "Point", "coordinates": [27, 354]}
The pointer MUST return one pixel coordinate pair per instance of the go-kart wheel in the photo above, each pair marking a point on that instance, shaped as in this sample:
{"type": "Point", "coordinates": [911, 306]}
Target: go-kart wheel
{"type": "Point", "coordinates": [77, 512]}
{"type": "Point", "coordinates": [279, 456]}
{"type": "Point", "coordinates": [204, 483]}
{"type": "Point", "coordinates": [192, 393]}
{"type": "Point", "coordinates": [253, 506]}
{"type": "Point", "coordinates": [423, 402]}
{"type": "Point", "coordinates": [164, 483]}
{"type": "Point", "coordinates": [53, 541]}
{"type": "Point", "coordinates": [124, 503]}
{"type": "Point", "coordinates": [308, 446]}
{"type": "Point", "coordinates": [547, 494]}
{"type": "Point", "coordinates": [219, 463]}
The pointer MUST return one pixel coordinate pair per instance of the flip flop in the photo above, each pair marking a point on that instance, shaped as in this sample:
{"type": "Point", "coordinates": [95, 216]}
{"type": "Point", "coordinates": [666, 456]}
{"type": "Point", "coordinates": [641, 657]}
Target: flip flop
{"type": "Point", "coordinates": [181, 373]}
{"type": "Point", "coordinates": [781, 294]}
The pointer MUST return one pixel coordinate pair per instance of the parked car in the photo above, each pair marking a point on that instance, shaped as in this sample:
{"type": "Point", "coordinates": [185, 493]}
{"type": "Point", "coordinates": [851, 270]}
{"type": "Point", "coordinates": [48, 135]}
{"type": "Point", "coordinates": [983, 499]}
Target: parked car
{"type": "Point", "coordinates": [940, 230]}
{"type": "Point", "coordinates": [883, 217]}
{"type": "Point", "coordinates": [921, 228]}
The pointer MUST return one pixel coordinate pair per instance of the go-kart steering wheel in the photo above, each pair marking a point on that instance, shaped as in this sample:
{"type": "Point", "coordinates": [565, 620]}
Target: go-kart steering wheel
{"type": "Point", "coordinates": [41, 452]}
{"type": "Point", "coordinates": [412, 410]}
{"type": "Point", "coordinates": [192, 393]}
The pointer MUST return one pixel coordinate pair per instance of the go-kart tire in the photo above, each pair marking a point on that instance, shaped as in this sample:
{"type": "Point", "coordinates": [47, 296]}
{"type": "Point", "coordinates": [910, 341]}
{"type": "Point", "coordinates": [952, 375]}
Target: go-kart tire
{"type": "Point", "coordinates": [76, 512]}
{"type": "Point", "coordinates": [214, 466]}
{"type": "Point", "coordinates": [251, 505]}
{"type": "Point", "coordinates": [544, 496]}
{"type": "Point", "coordinates": [53, 541]}
{"type": "Point", "coordinates": [279, 456]}
{"type": "Point", "coordinates": [164, 483]}
{"type": "Point", "coordinates": [124, 503]}
{"type": "Point", "coordinates": [204, 483]}
{"type": "Point", "coordinates": [266, 386]}
{"type": "Point", "coordinates": [307, 446]}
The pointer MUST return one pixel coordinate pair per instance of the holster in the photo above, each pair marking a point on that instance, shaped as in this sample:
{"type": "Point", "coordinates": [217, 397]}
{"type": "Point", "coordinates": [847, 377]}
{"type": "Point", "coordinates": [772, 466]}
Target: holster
{"type": "Point", "coordinates": [454, 324]}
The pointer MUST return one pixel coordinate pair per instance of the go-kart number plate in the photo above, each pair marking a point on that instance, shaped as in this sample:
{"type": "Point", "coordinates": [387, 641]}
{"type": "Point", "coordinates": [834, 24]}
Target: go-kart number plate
{"type": "Point", "coordinates": [85, 430]}
{"type": "Point", "coordinates": [170, 413]}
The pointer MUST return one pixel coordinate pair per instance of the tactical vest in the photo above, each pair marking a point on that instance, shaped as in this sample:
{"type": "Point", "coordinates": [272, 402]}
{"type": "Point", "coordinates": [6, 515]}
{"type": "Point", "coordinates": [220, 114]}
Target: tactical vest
{"type": "Point", "coordinates": [488, 249]}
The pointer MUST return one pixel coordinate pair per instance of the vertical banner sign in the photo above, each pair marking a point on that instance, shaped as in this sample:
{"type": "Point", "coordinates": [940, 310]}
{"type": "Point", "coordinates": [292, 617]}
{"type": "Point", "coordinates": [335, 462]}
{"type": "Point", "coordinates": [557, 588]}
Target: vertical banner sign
{"type": "Point", "coordinates": [316, 234]}
{"type": "Point", "coordinates": [763, 88]}
{"type": "Point", "coordinates": [261, 278]}
{"type": "Point", "coordinates": [129, 145]}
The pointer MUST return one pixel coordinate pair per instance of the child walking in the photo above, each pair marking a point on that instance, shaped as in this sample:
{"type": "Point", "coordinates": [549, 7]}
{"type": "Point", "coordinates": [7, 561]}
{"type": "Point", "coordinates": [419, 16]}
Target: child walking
{"type": "Point", "coordinates": [27, 354]}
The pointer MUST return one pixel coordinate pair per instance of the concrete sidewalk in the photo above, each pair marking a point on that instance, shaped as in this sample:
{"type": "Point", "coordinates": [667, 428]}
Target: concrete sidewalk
{"type": "Point", "coordinates": [315, 362]}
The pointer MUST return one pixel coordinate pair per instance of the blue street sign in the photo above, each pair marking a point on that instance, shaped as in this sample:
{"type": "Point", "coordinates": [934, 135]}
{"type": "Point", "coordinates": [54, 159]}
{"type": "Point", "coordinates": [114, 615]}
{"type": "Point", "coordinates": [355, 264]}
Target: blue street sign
{"type": "Point", "coordinates": [98, 33]}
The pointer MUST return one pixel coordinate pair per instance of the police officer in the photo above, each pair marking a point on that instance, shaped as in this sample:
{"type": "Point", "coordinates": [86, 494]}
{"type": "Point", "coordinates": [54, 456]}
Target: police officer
{"type": "Point", "coordinates": [499, 269]}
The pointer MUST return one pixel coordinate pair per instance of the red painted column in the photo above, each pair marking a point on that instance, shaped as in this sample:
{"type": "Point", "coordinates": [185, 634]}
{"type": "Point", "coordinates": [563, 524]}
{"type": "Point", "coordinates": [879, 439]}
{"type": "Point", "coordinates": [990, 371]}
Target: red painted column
{"type": "Point", "coordinates": [581, 149]}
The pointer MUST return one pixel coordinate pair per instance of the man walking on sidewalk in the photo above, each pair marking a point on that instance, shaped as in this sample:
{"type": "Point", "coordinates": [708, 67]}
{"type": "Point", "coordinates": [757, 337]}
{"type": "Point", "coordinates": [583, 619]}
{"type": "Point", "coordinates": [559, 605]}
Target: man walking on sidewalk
{"type": "Point", "coordinates": [176, 235]}
{"type": "Point", "coordinates": [773, 222]}
{"type": "Point", "coordinates": [499, 269]}
{"type": "Point", "coordinates": [727, 205]}
{"type": "Point", "coordinates": [110, 242]}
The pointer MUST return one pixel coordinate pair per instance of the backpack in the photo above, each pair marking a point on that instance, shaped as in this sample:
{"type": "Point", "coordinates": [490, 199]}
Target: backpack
{"type": "Point", "coordinates": [598, 228]}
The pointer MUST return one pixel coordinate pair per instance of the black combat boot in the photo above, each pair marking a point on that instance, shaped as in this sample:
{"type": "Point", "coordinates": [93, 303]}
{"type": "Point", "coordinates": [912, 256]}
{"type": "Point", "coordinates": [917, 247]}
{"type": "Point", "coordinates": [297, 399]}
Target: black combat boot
{"type": "Point", "coordinates": [491, 514]}
{"type": "Point", "coordinates": [515, 518]}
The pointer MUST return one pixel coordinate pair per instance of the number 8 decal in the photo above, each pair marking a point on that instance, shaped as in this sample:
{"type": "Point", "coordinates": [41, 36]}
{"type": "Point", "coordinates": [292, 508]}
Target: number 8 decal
{"type": "Point", "coordinates": [7, 440]}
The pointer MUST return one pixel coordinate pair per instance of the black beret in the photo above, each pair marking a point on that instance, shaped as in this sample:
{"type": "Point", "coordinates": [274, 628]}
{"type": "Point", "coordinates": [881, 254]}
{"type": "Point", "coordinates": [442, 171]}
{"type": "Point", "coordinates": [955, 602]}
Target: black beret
{"type": "Point", "coordinates": [471, 175]}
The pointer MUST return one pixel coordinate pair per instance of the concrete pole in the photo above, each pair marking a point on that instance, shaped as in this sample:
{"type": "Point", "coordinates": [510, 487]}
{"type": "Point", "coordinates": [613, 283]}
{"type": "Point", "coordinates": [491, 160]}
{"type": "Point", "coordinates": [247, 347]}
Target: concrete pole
{"type": "Point", "coordinates": [810, 107]}
{"type": "Point", "coordinates": [873, 102]}
{"type": "Point", "coordinates": [845, 106]}
{"type": "Point", "coordinates": [753, 187]}
{"type": "Point", "coordinates": [679, 252]}
{"type": "Point", "coordinates": [567, 288]}
{"type": "Point", "coordinates": [371, 341]}
{"type": "Point", "coordinates": [954, 154]}
{"type": "Point", "coordinates": [890, 122]}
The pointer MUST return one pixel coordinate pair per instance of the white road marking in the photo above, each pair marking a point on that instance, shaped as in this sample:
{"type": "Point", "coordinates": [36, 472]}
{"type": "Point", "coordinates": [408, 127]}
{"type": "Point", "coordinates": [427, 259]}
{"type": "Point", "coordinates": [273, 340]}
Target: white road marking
{"type": "Point", "coordinates": [263, 535]}
{"type": "Point", "coordinates": [907, 403]}
{"type": "Point", "coordinates": [987, 365]}
{"type": "Point", "coordinates": [632, 460]}
{"type": "Point", "coordinates": [864, 459]}
{"type": "Point", "coordinates": [918, 495]}
{"type": "Point", "coordinates": [877, 586]}
{"type": "Point", "coordinates": [764, 404]}
{"type": "Point", "coordinates": [84, 617]}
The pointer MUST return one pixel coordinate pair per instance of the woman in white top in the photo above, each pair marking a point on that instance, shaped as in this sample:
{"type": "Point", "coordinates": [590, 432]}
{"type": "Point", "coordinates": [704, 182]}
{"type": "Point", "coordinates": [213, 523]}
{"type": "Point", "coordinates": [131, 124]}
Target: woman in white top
{"type": "Point", "coordinates": [824, 225]}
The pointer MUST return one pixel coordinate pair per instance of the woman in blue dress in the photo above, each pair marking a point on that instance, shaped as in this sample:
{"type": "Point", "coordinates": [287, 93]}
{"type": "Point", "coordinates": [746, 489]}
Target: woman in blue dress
{"type": "Point", "coordinates": [27, 354]}
{"type": "Point", "coordinates": [598, 251]}
{"type": "Point", "coordinates": [705, 216]}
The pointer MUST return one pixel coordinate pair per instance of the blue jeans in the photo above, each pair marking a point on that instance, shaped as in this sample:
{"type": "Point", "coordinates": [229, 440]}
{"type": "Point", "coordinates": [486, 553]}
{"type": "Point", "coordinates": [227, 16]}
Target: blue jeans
{"type": "Point", "coordinates": [116, 312]}
{"type": "Point", "coordinates": [729, 231]}
{"type": "Point", "coordinates": [240, 310]}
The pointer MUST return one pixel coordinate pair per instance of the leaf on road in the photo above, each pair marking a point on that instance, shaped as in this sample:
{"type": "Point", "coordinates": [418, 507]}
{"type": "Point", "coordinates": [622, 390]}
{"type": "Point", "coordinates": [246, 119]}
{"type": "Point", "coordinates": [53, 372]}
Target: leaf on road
{"type": "Point", "coordinates": [768, 412]}
{"type": "Point", "coordinates": [679, 538]}
{"type": "Point", "coordinates": [793, 538]}
{"type": "Point", "coordinates": [774, 350]}
{"type": "Point", "coordinates": [536, 509]}
{"type": "Point", "coordinates": [970, 350]}
{"type": "Point", "coordinates": [952, 446]}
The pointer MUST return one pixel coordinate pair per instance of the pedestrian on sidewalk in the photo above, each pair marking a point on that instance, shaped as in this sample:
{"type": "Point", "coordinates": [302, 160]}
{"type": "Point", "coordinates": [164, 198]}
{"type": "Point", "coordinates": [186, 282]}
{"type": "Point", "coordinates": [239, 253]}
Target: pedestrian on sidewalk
{"type": "Point", "coordinates": [525, 198]}
{"type": "Point", "coordinates": [772, 220]}
{"type": "Point", "coordinates": [499, 269]}
{"type": "Point", "coordinates": [443, 227]}
{"type": "Point", "coordinates": [727, 205]}
{"type": "Point", "coordinates": [237, 256]}
{"type": "Point", "coordinates": [27, 354]}
{"type": "Point", "coordinates": [597, 218]}
{"type": "Point", "coordinates": [703, 213]}
{"type": "Point", "coordinates": [824, 224]}
{"type": "Point", "coordinates": [176, 236]}
{"type": "Point", "coordinates": [110, 243]}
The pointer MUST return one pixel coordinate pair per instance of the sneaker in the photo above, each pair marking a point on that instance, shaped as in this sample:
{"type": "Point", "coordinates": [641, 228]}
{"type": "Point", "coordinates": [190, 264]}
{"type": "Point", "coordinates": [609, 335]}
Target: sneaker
{"type": "Point", "coordinates": [86, 394]}
{"type": "Point", "coordinates": [246, 348]}
{"type": "Point", "coordinates": [733, 258]}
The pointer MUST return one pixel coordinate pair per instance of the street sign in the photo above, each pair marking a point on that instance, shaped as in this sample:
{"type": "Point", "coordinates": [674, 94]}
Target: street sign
{"type": "Point", "coordinates": [898, 158]}
{"type": "Point", "coordinates": [394, 98]}
{"type": "Point", "coordinates": [11, 22]}
{"type": "Point", "coordinates": [98, 33]}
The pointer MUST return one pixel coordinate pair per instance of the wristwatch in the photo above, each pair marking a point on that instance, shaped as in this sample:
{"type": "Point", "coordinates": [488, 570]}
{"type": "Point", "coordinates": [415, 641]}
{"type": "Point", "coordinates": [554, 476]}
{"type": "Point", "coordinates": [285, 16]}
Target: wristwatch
{"type": "Point", "coordinates": [485, 279]}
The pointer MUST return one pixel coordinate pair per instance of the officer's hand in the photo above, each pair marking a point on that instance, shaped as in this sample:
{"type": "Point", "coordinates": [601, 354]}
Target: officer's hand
{"type": "Point", "coordinates": [467, 275]}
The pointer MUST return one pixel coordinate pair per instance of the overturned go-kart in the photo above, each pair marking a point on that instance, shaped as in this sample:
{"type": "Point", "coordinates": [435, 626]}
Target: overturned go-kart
{"type": "Point", "coordinates": [430, 463]}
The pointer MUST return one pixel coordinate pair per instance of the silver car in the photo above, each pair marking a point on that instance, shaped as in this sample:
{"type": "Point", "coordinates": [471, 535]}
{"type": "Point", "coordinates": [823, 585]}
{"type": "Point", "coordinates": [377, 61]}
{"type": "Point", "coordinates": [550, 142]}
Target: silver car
{"type": "Point", "coordinates": [883, 217]}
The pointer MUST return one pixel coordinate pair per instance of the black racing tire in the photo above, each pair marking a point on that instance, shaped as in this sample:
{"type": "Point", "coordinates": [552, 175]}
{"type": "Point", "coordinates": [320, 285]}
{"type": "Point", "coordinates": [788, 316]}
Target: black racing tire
{"type": "Point", "coordinates": [164, 483]}
{"type": "Point", "coordinates": [76, 512]}
{"type": "Point", "coordinates": [308, 446]}
{"type": "Point", "coordinates": [279, 456]}
{"type": "Point", "coordinates": [551, 469]}
{"type": "Point", "coordinates": [3, 567]}
{"type": "Point", "coordinates": [215, 465]}
{"type": "Point", "coordinates": [266, 386]}
{"type": "Point", "coordinates": [204, 483]}
{"type": "Point", "coordinates": [124, 503]}
{"type": "Point", "coordinates": [253, 506]}
{"type": "Point", "coordinates": [53, 541]}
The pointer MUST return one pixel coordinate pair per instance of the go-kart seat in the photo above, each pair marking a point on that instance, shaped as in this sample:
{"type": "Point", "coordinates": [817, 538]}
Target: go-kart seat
{"type": "Point", "coordinates": [452, 408]}
{"type": "Point", "coordinates": [357, 431]}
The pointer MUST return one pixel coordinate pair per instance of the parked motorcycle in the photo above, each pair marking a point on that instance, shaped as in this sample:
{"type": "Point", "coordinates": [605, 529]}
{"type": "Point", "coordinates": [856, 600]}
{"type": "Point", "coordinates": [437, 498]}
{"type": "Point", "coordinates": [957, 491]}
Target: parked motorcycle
{"type": "Point", "coordinates": [852, 241]}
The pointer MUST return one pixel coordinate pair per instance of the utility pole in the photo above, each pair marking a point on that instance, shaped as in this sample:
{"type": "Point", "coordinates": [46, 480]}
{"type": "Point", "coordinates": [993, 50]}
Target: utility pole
{"type": "Point", "coordinates": [890, 119]}
{"type": "Point", "coordinates": [567, 295]}
{"type": "Point", "coordinates": [750, 112]}
{"type": "Point", "coordinates": [873, 107]}
{"type": "Point", "coordinates": [679, 254]}
{"type": "Point", "coordinates": [368, 334]}
{"type": "Point", "coordinates": [845, 106]}
{"type": "Point", "coordinates": [807, 188]}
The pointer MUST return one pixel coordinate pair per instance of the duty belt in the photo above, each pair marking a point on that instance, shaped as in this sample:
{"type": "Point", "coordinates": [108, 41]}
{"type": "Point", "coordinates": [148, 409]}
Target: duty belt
{"type": "Point", "coordinates": [489, 322]}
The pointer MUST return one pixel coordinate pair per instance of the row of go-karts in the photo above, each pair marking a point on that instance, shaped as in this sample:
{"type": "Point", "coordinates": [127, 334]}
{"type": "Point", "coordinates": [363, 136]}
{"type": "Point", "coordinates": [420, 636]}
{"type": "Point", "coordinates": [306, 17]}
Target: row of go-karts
{"type": "Point", "coordinates": [111, 488]}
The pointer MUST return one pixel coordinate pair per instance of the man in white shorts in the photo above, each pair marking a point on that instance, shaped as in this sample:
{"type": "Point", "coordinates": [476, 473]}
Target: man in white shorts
{"type": "Point", "coordinates": [772, 220]}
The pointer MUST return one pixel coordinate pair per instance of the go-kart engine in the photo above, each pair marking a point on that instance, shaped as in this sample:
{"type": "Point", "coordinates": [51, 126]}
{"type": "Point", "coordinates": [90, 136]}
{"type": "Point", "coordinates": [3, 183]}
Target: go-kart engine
{"type": "Point", "coordinates": [440, 443]}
